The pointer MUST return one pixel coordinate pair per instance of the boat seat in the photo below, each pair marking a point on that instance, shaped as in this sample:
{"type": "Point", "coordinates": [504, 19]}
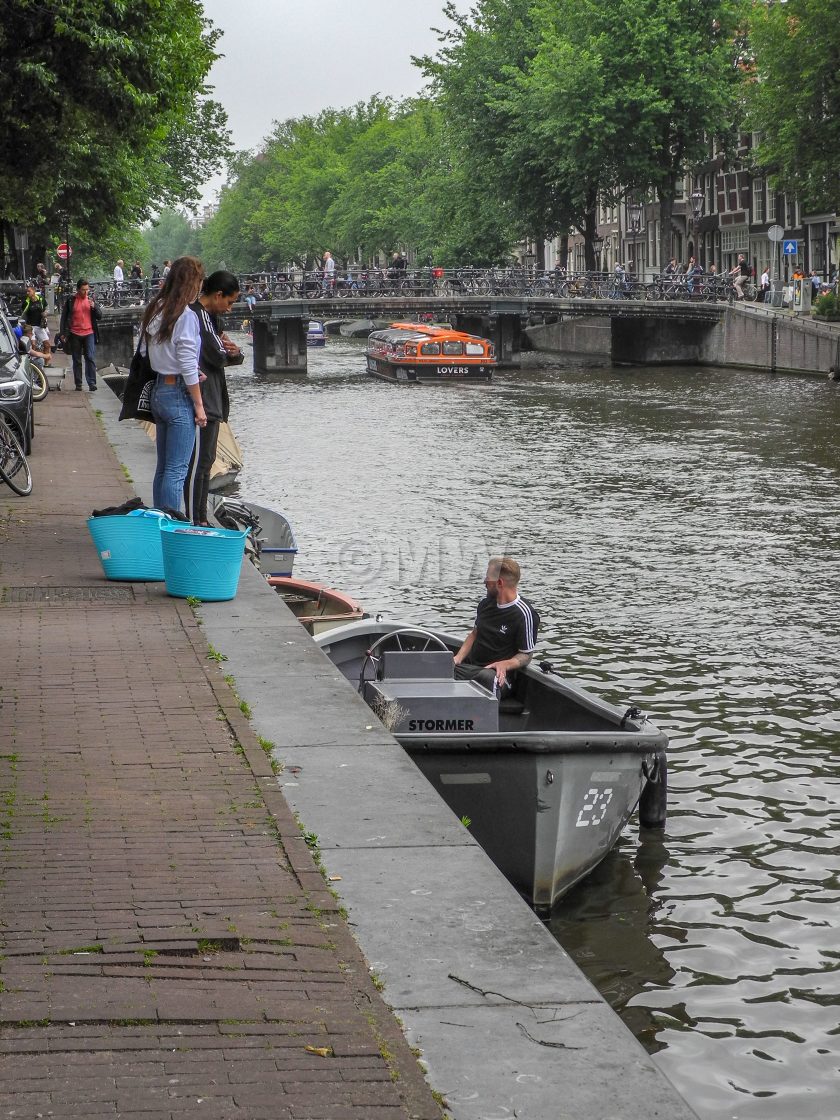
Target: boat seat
{"type": "Point", "coordinates": [512, 701]}
{"type": "Point", "coordinates": [511, 706]}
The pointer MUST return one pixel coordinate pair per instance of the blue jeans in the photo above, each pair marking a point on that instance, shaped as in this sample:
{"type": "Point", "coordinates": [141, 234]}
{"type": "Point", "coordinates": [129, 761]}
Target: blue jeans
{"type": "Point", "coordinates": [83, 344]}
{"type": "Point", "coordinates": [174, 416]}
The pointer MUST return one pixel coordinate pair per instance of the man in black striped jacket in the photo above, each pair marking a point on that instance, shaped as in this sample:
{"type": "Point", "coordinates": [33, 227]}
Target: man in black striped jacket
{"type": "Point", "coordinates": [505, 632]}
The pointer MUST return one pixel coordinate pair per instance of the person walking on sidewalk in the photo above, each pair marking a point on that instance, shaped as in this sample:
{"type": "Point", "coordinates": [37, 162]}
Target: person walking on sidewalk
{"type": "Point", "coordinates": [218, 294]}
{"type": "Point", "coordinates": [170, 335]}
{"type": "Point", "coordinates": [79, 319]}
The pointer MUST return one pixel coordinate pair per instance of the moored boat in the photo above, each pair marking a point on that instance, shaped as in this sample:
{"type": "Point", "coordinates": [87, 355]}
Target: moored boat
{"type": "Point", "coordinates": [426, 354]}
{"type": "Point", "coordinates": [228, 462]}
{"type": "Point", "coordinates": [316, 334]}
{"type": "Point", "coordinates": [548, 777]}
{"type": "Point", "coordinates": [272, 534]}
{"type": "Point", "coordinates": [316, 607]}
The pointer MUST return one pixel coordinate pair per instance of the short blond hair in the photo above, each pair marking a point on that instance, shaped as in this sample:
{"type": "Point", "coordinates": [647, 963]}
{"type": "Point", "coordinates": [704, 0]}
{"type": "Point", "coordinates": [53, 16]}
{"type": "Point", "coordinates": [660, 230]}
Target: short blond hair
{"type": "Point", "coordinates": [508, 569]}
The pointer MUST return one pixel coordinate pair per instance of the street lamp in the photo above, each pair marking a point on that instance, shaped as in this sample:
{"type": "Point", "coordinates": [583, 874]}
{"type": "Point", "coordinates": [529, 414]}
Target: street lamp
{"type": "Point", "coordinates": [597, 246]}
{"type": "Point", "coordinates": [634, 224]}
{"type": "Point", "coordinates": [697, 202]}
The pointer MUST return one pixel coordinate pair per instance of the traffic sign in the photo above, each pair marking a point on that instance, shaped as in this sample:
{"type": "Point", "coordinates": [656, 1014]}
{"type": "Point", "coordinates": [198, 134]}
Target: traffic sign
{"type": "Point", "coordinates": [791, 248]}
{"type": "Point", "coordinates": [64, 251]}
{"type": "Point", "coordinates": [775, 233]}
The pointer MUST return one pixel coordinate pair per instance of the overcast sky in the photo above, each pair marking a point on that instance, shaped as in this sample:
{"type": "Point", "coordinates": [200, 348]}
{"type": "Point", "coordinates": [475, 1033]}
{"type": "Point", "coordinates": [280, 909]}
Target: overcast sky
{"type": "Point", "coordinates": [286, 58]}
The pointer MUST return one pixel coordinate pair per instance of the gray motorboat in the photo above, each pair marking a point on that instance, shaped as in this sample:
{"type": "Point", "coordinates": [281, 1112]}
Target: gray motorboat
{"type": "Point", "coordinates": [271, 534]}
{"type": "Point", "coordinates": [547, 777]}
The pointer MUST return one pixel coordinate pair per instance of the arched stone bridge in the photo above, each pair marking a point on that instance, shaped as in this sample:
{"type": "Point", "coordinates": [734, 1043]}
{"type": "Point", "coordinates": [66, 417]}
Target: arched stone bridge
{"type": "Point", "coordinates": [631, 331]}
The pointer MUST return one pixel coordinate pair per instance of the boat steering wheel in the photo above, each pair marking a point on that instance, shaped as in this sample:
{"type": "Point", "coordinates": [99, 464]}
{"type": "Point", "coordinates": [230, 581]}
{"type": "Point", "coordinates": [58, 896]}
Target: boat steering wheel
{"type": "Point", "coordinates": [432, 641]}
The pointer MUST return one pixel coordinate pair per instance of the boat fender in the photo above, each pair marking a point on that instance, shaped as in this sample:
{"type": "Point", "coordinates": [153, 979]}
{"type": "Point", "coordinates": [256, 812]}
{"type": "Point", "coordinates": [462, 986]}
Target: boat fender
{"type": "Point", "coordinates": [634, 714]}
{"type": "Point", "coordinates": [653, 804]}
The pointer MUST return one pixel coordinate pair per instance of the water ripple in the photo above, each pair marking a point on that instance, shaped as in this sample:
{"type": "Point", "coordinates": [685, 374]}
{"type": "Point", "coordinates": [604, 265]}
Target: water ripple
{"type": "Point", "coordinates": [680, 531]}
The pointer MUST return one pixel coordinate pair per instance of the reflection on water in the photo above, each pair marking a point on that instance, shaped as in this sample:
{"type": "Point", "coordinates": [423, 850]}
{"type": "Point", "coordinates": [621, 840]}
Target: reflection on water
{"type": "Point", "coordinates": [678, 530]}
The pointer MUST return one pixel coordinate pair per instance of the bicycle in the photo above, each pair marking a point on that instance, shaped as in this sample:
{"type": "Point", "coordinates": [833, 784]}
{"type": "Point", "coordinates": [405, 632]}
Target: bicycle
{"type": "Point", "coordinates": [14, 468]}
{"type": "Point", "coordinates": [40, 385]}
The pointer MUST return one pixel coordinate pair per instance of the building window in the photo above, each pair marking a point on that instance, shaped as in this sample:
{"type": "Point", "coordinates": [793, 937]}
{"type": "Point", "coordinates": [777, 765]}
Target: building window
{"type": "Point", "coordinates": [771, 205]}
{"type": "Point", "coordinates": [734, 240]}
{"type": "Point", "coordinates": [758, 200]}
{"type": "Point", "coordinates": [711, 201]}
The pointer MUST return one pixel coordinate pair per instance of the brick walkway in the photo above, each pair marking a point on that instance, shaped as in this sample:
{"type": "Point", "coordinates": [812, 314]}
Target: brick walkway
{"type": "Point", "coordinates": [167, 946]}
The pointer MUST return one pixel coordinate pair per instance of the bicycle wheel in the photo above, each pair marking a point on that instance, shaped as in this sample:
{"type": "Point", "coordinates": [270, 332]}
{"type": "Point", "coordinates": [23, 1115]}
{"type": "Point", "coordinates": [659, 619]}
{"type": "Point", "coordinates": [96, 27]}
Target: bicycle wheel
{"type": "Point", "coordinates": [40, 385]}
{"type": "Point", "coordinates": [282, 291]}
{"type": "Point", "coordinates": [750, 291]}
{"type": "Point", "coordinates": [14, 469]}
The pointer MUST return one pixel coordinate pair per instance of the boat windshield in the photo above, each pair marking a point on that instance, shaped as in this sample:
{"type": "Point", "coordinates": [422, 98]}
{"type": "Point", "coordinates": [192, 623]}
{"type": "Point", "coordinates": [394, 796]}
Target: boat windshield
{"type": "Point", "coordinates": [430, 348]}
{"type": "Point", "coordinates": [473, 348]}
{"type": "Point", "coordinates": [453, 348]}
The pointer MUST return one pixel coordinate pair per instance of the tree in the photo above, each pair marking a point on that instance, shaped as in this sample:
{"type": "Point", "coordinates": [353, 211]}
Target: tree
{"type": "Point", "coordinates": [168, 237]}
{"type": "Point", "coordinates": [232, 234]}
{"type": "Point", "coordinates": [640, 119]}
{"type": "Point", "coordinates": [477, 78]}
{"type": "Point", "coordinates": [106, 117]}
{"type": "Point", "coordinates": [793, 98]}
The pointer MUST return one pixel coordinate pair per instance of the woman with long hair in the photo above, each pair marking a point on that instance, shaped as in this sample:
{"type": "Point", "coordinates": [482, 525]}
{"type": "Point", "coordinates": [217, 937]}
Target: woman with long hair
{"type": "Point", "coordinates": [218, 294]}
{"type": "Point", "coordinates": [170, 334]}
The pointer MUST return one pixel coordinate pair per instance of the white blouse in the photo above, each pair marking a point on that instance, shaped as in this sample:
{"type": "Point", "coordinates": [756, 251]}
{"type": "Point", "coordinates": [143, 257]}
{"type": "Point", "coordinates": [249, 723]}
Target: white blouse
{"type": "Point", "coordinates": [179, 354]}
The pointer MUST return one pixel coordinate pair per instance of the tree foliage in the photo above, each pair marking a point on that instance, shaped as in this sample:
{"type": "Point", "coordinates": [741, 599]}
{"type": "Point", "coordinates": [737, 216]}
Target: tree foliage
{"type": "Point", "coordinates": [638, 119]}
{"type": "Point", "coordinates": [171, 235]}
{"type": "Point", "coordinates": [106, 117]}
{"type": "Point", "coordinates": [793, 98]}
{"type": "Point", "coordinates": [477, 78]}
{"type": "Point", "coordinates": [560, 102]}
{"type": "Point", "coordinates": [375, 177]}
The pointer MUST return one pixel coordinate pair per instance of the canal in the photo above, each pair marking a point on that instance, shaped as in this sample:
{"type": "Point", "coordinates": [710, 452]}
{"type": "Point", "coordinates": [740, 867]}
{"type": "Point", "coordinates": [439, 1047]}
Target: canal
{"type": "Point", "coordinates": [679, 530]}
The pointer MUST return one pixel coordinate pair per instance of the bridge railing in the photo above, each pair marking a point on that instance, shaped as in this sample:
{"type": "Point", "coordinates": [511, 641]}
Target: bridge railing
{"type": "Point", "coordinates": [476, 282]}
{"type": "Point", "coordinates": [446, 283]}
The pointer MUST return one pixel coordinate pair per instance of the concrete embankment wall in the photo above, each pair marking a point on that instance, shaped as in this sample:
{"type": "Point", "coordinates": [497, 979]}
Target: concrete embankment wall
{"type": "Point", "coordinates": [750, 338]}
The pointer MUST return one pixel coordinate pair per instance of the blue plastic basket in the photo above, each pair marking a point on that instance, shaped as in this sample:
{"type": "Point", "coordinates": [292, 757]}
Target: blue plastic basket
{"type": "Point", "coordinates": [201, 563]}
{"type": "Point", "coordinates": [128, 544]}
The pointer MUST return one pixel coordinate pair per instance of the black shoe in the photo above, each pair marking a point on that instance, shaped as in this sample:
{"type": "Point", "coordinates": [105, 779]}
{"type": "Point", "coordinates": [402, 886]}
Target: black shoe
{"type": "Point", "coordinates": [78, 388]}
{"type": "Point", "coordinates": [92, 388]}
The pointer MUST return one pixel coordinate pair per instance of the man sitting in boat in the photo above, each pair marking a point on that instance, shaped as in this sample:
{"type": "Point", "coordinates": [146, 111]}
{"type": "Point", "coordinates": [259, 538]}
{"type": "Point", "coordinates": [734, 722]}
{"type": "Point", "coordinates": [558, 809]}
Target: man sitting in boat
{"type": "Point", "coordinates": [505, 632]}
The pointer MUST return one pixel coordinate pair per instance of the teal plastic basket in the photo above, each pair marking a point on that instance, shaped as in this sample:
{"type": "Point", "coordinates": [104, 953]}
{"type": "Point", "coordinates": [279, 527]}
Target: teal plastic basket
{"type": "Point", "coordinates": [201, 563]}
{"type": "Point", "coordinates": [128, 544]}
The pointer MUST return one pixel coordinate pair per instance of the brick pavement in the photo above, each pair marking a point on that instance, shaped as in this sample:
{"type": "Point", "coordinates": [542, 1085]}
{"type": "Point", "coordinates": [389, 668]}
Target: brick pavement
{"type": "Point", "coordinates": [168, 947]}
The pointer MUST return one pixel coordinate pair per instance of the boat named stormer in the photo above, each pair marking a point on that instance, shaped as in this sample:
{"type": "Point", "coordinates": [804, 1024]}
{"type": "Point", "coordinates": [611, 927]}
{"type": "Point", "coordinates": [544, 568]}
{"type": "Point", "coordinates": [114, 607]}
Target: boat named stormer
{"type": "Point", "coordinates": [545, 778]}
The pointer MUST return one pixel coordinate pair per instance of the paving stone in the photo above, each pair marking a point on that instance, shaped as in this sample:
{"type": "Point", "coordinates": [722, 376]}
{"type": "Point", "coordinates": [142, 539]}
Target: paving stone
{"type": "Point", "coordinates": [169, 947]}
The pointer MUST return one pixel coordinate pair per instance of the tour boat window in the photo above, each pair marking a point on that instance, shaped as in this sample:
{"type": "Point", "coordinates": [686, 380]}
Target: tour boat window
{"type": "Point", "coordinates": [429, 348]}
{"type": "Point", "coordinates": [473, 348]}
{"type": "Point", "coordinates": [453, 349]}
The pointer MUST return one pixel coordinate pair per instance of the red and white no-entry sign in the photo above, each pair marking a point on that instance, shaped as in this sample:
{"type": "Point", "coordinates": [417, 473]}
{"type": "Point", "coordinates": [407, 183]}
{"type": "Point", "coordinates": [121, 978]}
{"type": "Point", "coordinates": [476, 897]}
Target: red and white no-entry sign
{"type": "Point", "coordinates": [64, 251]}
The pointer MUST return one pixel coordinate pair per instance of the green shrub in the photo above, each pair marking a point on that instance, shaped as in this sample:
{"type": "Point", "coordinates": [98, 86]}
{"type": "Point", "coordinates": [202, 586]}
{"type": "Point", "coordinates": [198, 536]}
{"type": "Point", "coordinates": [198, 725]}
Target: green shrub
{"type": "Point", "coordinates": [827, 306]}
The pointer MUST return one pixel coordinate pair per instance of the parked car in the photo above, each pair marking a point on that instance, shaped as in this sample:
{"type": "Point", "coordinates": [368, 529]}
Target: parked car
{"type": "Point", "coordinates": [15, 386]}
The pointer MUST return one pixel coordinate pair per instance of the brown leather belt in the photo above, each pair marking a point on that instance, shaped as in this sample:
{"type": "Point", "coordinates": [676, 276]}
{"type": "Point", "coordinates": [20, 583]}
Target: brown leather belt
{"type": "Point", "coordinates": [169, 378]}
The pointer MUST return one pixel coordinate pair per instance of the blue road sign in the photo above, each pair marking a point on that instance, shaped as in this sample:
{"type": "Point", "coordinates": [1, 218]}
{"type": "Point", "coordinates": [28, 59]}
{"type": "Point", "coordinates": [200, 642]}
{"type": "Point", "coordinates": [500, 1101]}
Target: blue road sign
{"type": "Point", "coordinates": [791, 248]}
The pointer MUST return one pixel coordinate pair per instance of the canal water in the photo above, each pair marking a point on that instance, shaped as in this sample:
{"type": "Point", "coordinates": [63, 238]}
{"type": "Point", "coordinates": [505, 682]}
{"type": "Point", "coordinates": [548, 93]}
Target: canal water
{"type": "Point", "coordinates": [679, 530]}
